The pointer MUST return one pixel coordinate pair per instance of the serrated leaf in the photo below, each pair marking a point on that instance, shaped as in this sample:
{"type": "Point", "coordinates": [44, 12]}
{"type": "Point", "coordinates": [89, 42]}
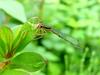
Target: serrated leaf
{"type": "Point", "coordinates": [29, 61]}
{"type": "Point", "coordinates": [14, 9]}
{"type": "Point", "coordinates": [14, 72]}
{"type": "Point", "coordinates": [6, 38]}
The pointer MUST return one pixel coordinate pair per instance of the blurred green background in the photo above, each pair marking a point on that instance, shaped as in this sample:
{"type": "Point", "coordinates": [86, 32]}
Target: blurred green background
{"type": "Point", "coordinates": [78, 18]}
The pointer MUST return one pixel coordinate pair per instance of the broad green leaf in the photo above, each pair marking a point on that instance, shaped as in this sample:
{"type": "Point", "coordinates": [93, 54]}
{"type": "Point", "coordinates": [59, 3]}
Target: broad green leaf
{"type": "Point", "coordinates": [14, 9]}
{"type": "Point", "coordinates": [14, 72]}
{"type": "Point", "coordinates": [6, 38]}
{"type": "Point", "coordinates": [23, 35]}
{"type": "Point", "coordinates": [29, 61]}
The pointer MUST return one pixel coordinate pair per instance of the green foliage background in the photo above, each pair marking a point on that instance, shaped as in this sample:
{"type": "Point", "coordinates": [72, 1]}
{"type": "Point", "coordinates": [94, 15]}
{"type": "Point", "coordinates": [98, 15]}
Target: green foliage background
{"type": "Point", "coordinates": [78, 18]}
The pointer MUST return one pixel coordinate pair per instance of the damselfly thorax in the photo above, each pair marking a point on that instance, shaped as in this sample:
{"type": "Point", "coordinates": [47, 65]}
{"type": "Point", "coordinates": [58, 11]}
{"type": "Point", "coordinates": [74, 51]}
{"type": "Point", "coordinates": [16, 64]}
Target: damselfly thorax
{"type": "Point", "coordinates": [41, 30]}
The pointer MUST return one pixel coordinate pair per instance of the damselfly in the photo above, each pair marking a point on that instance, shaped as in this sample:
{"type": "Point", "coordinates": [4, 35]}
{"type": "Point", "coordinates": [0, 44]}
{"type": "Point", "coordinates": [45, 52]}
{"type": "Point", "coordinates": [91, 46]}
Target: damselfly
{"type": "Point", "coordinates": [41, 29]}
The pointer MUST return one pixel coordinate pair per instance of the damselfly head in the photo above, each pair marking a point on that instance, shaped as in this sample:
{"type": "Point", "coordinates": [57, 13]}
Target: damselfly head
{"type": "Point", "coordinates": [39, 25]}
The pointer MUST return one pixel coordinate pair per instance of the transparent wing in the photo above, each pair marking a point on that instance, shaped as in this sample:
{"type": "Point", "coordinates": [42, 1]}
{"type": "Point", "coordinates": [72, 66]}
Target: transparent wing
{"type": "Point", "coordinates": [67, 38]}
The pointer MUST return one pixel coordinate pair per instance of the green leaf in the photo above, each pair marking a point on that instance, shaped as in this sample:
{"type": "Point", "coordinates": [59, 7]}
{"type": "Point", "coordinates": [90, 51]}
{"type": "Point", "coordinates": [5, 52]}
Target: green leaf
{"type": "Point", "coordinates": [29, 61]}
{"type": "Point", "coordinates": [6, 38]}
{"type": "Point", "coordinates": [14, 9]}
{"type": "Point", "coordinates": [14, 72]}
{"type": "Point", "coordinates": [23, 35]}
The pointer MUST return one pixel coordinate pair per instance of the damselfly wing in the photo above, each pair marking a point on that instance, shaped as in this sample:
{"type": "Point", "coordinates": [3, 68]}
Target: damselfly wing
{"type": "Point", "coordinates": [67, 38]}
